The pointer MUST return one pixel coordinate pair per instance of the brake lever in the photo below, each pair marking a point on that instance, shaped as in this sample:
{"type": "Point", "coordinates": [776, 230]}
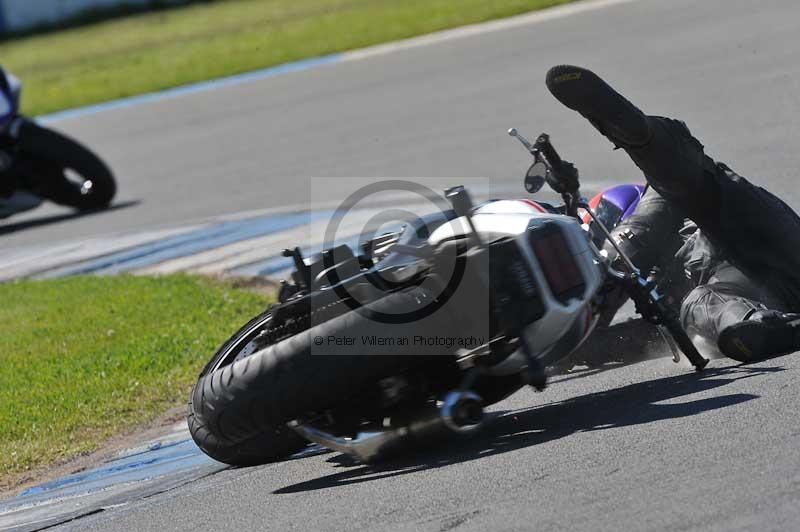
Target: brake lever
{"type": "Point", "coordinates": [561, 175]}
{"type": "Point", "coordinates": [525, 142]}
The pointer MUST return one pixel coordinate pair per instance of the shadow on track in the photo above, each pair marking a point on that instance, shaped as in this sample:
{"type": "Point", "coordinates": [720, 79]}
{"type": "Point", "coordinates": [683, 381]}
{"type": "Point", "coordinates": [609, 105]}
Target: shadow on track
{"type": "Point", "coordinates": [56, 218]}
{"type": "Point", "coordinates": [629, 405]}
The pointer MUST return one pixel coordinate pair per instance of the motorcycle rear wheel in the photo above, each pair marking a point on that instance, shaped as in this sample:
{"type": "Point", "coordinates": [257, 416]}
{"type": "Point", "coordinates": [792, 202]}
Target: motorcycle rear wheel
{"type": "Point", "coordinates": [66, 172]}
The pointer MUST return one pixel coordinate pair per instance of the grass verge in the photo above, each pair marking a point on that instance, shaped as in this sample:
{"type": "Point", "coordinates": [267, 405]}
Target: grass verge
{"type": "Point", "coordinates": [144, 53]}
{"type": "Point", "coordinates": [84, 358]}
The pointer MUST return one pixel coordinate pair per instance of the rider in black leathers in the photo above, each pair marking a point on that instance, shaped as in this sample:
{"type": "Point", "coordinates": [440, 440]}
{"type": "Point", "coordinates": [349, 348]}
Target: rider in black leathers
{"type": "Point", "coordinates": [743, 262]}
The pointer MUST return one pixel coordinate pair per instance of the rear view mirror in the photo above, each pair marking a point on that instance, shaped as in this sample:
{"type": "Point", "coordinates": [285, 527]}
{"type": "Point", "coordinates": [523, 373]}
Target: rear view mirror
{"type": "Point", "coordinates": [535, 177]}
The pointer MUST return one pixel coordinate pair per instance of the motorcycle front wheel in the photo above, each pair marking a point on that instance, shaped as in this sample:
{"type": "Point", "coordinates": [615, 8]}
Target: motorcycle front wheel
{"type": "Point", "coordinates": [260, 447]}
{"type": "Point", "coordinates": [63, 170]}
{"type": "Point", "coordinates": [239, 407]}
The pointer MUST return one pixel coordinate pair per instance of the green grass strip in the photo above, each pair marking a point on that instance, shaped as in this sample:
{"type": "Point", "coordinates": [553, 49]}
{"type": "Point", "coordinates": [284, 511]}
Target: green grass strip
{"type": "Point", "coordinates": [150, 52]}
{"type": "Point", "coordinates": [84, 358]}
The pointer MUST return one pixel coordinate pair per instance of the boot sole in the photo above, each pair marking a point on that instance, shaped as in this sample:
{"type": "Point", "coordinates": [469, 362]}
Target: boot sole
{"type": "Point", "coordinates": [585, 92]}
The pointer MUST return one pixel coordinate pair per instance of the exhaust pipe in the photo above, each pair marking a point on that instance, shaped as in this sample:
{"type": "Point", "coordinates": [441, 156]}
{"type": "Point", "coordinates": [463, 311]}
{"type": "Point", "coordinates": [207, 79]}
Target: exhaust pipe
{"type": "Point", "coordinates": [459, 413]}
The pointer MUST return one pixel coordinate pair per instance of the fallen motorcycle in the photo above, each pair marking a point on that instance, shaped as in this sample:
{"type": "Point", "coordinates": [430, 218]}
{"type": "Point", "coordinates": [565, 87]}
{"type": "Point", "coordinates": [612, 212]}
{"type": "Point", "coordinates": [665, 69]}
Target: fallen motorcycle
{"type": "Point", "coordinates": [38, 164]}
{"type": "Point", "coordinates": [529, 275]}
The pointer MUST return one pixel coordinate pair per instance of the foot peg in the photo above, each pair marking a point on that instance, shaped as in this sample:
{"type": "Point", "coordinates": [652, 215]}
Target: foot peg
{"type": "Point", "coordinates": [458, 414]}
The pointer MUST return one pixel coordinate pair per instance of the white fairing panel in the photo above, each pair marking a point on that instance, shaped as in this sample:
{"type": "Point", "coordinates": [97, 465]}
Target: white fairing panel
{"type": "Point", "coordinates": [511, 218]}
{"type": "Point", "coordinates": [493, 220]}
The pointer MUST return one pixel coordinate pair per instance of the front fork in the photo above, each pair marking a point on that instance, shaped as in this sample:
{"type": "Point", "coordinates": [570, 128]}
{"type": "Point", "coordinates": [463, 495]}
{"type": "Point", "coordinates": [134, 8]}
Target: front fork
{"type": "Point", "coordinates": [649, 301]}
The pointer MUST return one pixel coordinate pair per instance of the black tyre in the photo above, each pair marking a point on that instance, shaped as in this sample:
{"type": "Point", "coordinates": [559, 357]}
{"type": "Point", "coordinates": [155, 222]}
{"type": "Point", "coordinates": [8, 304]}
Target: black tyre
{"type": "Point", "coordinates": [238, 411]}
{"type": "Point", "coordinates": [66, 172]}
{"type": "Point", "coordinates": [282, 441]}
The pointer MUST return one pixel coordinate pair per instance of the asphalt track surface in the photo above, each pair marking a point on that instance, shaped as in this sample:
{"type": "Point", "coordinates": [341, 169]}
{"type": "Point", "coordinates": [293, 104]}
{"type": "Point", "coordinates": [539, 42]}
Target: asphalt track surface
{"type": "Point", "coordinates": [643, 447]}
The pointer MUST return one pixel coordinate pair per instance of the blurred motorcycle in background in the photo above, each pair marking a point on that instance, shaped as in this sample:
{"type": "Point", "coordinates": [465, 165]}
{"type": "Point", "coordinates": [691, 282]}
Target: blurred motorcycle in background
{"type": "Point", "coordinates": [38, 164]}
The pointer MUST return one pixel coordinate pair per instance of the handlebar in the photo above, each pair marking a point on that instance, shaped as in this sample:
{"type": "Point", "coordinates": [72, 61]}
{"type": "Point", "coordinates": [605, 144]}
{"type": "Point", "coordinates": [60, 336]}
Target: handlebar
{"type": "Point", "coordinates": [562, 176]}
{"type": "Point", "coordinates": [547, 150]}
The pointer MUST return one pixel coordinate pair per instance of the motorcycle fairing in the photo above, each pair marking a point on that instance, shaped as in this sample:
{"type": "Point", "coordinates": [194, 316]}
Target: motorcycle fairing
{"type": "Point", "coordinates": [516, 219]}
{"type": "Point", "coordinates": [615, 204]}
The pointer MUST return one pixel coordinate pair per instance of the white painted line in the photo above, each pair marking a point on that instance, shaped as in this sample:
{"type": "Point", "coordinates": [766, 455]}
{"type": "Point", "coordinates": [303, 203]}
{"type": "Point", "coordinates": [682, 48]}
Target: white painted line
{"type": "Point", "coordinates": [534, 17]}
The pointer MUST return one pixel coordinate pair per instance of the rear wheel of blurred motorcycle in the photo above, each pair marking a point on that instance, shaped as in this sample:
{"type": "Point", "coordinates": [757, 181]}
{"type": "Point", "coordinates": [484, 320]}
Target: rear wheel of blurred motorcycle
{"type": "Point", "coordinates": [66, 172]}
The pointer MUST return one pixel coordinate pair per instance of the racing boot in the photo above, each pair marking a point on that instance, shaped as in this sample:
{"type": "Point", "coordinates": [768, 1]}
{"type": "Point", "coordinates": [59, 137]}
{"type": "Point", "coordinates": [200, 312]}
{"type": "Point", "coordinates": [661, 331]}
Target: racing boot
{"type": "Point", "coordinates": [672, 160]}
{"type": "Point", "coordinates": [615, 117]}
{"type": "Point", "coordinates": [763, 334]}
